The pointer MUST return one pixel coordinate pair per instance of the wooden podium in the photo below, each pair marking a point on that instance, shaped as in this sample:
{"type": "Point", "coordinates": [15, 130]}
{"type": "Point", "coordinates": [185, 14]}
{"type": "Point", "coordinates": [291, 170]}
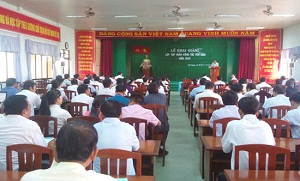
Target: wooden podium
{"type": "Point", "coordinates": [214, 72]}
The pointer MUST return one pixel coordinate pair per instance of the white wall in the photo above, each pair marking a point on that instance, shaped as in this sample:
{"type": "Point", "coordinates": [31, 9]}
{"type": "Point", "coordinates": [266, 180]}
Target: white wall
{"type": "Point", "coordinates": [291, 37]}
{"type": "Point", "coordinates": [67, 35]}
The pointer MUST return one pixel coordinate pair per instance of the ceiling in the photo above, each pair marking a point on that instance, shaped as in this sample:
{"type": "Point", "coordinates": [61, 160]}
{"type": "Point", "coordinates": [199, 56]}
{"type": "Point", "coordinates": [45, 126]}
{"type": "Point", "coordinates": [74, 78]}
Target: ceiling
{"type": "Point", "coordinates": [201, 13]}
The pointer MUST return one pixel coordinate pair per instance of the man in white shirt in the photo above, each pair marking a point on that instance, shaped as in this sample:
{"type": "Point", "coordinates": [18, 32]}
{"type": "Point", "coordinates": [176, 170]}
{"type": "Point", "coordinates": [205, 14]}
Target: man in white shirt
{"type": "Point", "coordinates": [107, 88]}
{"type": "Point", "coordinates": [251, 90]}
{"type": "Point", "coordinates": [119, 76]}
{"type": "Point", "coordinates": [29, 89]}
{"type": "Point", "coordinates": [230, 100]}
{"type": "Point", "coordinates": [208, 92]}
{"type": "Point", "coordinates": [16, 128]}
{"type": "Point", "coordinates": [75, 148]}
{"type": "Point", "coordinates": [215, 64]}
{"type": "Point", "coordinates": [248, 130]}
{"type": "Point", "coordinates": [67, 81]}
{"type": "Point", "coordinates": [238, 88]}
{"type": "Point", "coordinates": [219, 81]}
{"type": "Point", "coordinates": [76, 76]}
{"type": "Point", "coordinates": [74, 86]}
{"type": "Point", "coordinates": [98, 83]}
{"type": "Point", "coordinates": [92, 88]}
{"type": "Point", "coordinates": [279, 99]}
{"type": "Point", "coordinates": [293, 116]}
{"type": "Point", "coordinates": [84, 96]}
{"type": "Point", "coordinates": [115, 134]}
{"type": "Point", "coordinates": [140, 79]}
{"type": "Point", "coordinates": [205, 76]}
{"type": "Point", "coordinates": [262, 83]}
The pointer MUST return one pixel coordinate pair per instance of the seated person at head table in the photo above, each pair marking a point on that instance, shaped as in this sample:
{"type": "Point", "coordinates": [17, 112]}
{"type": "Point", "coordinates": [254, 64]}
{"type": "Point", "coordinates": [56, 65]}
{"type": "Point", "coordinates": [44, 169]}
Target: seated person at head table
{"type": "Point", "coordinates": [74, 149]}
{"type": "Point", "coordinates": [115, 134]}
{"type": "Point", "coordinates": [248, 130]}
{"type": "Point", "coordinates": [230, 100]}
{"type": "Point", "coordinates": [16, 128]}
{"type": "Point", "coordinates": [293, 116]}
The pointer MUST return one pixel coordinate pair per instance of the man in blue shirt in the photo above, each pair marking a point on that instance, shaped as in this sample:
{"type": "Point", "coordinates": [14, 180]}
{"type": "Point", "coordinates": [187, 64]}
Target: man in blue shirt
{"type": "Point", "coordinates": [119, 96]}
{"type": "Point", "coordinates": [10, 89]}
{"type": "Point", "coordinates": [201, 88]}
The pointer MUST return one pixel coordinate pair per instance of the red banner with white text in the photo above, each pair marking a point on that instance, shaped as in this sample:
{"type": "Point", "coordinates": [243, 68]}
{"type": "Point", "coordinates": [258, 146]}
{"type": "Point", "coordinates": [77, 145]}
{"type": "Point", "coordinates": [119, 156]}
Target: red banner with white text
{"type": "Point", "coordinates": [85, 52]}
{"type": "Point", "coordinates": [269, 53]}
{"type": "Point", "coordinates": [17, 22]}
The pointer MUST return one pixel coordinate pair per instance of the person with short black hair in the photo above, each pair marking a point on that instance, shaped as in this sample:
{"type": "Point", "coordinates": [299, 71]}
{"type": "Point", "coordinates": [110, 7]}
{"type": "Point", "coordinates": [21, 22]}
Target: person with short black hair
{"type": "Point", "coordinates": [219, 81]}
{"type": "Point", "coordinates": [243, 82]}
{"type": "Point", "coordinates": [293, 116]}
{"type": "Point", "coordinates": [290, 87]}
{"type": "Point", "coordinates": [73, 87]}
{"type": "Point", "coordinates": [97, 83]}
{"type": "Point", "coordinates": [230, 100]}
{"type": "Point", "coordinates": [84, 96]}
{"type": "Point", "coordinates": [115, 134]}
{"type": "Point", "coordinates": [136, 110]}
{"type": "Point", "coordinates": [238, 88]}
{"type": "Point", "coordinates": [92, 88]}
{"type": "Point", "coordinates": [67, 81]}
{"type": "Point", "coordinates": [279, 99]}
{"type": "Point", "coordinates": [199, 89]}
{"type": "Point", "coordinates": [119, 76]}
{"type": "Point", "coordinates": [95, 110]}
{"type": "Point", "coordinates": [119, 96]}
{"type": "Point", "coordinates": [107, 83]}
{"type": "Point", "coordinates": [75, 148]}
{"type": "Point", "coordinates": [56, 85]}
{"type": "Point", "coordinates": [76, 76]}
{"type": "Point", "coordinates": [248, 130]}
{"type": "Point", "coordinates": [251, 90]}
{"type": "Point", "coordinates": [262, 84]}
{"type": "Point", "coordinates": [50, 105]}
{"type": "Point", "coordinates": [16, 128]}
{"type": "Point", "coordinates": [29, 89]}
{"type": "Point", "coordinates": [11, 87]}
{"type": "Point", "coordinates": [205, 76]}
{"type": "Point", "coordinates": [283, 80]}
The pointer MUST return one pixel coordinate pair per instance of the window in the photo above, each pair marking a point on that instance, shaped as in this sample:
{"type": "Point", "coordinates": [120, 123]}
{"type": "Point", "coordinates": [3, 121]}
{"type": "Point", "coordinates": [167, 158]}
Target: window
{"type": "Point", "coordinates": [7, 68]}
{"type": "Point", "coordinates": [41, 66]}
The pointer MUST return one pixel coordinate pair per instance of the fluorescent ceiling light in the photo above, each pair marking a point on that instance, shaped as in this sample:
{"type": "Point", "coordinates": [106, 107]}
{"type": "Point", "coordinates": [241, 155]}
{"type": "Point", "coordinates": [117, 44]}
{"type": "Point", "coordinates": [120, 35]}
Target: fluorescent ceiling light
{"type": "Point", "coordinates": [99, 29]}
{"type": "Point", "coordinates": [283, 15]}
{"type": "Point", "coordinates": [228, 15]}
{"type": "Point", "coordinates": [175, 28]}
{"type": "Point", "coordinates": [76, 16]}
{"type": "Point", "coordinates": [125, 16]}
{"type": "Point", "coordinates": [255, 28]}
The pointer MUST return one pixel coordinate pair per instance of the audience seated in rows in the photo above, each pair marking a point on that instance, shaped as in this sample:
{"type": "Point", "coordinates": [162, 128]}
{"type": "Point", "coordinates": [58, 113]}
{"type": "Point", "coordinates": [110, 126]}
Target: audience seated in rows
{"type": "Point", "coordinates": [248, 130]}
{"type": "Point", "coordinates": [50, 105]}
{"type": "Point", "coordinates": [29, 89]}
{"type": "Point", "coordinates": [75, 148]}
{"type": "Point", "coordinates": [113, 133]}
{"type": "Point", "coordinates": [293, 116]}
{"type": "Point", "coordinates": [230, 100]}
{"type": "Point", "coordinates": [136, 110]}
{"type": "Point", "coordinates": [16, 128]}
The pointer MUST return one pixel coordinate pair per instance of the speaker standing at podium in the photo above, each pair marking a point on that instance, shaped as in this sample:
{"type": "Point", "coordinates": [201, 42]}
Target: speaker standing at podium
{"type": "Point", "coordinates": [215, 64]}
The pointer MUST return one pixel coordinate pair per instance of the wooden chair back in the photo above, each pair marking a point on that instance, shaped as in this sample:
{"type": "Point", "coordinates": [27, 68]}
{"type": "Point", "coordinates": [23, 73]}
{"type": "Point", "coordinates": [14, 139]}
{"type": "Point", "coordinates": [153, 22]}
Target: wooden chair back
{"type": "Point", "coordinates": [111, 157]}
{"type": "Point", "coordinates": [219, 86]}
{"type": "Point", "coordinates": [29, 156]}
{"type": "Point", "coordinates": [281, 111]}
{"type": "Point", "coordinates": [279, 127]}
{"type": "Point", "coordinates": [40, 84]}
{"type": "Point", "coordinates": [220, 91]}
{"type": "Point", "coordinates": [105, 96]}
{"type": "Point", "coordinates": [262, 96]}
{"type": "Point", "coordinates": [267, 89]}
{"type": "Point", "coordinates": [160, 111]}
{"type": "Point", "coordinates": [297, 157]}
{"type": "Point", "coordinates": [223, 122]}
{"type": "Point", "coordinates": [76, 108]}
{"type": "Point", "coordinates": [205, 103]}
{"type": "Point", "coordinates": [70, 94]}
{"type": "Point", "coordinates": [43, 122]}
{"type": "Point", "coordinates": [137, 124]}
{"type": "Point", "coordinates": [90, 119]}
{"type": "Point", "coordinates": [262, 151]}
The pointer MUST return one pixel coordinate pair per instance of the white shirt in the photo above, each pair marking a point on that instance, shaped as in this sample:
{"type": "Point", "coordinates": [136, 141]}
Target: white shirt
{"type": "Point", "coordinates": [113, 81]}
{"type": "Point", "coordinates": [73, 88]}
{"type": "Point", "coordinates": [84, 99]}
{"type": "Point", "coordinates": [263, 84]}
{"type": "Point", "coordinates": [139, 80]}
{"type": "Point", "coordinates": [61, 114]}
{"type": "Point", "coordinates": [215, 64]}
{"type": "Point", "coordinates": [248, 130]}
{"type": "Point", "coordinates": [218, 82]}
{"type": "Point", "coordinates": [293, 117]}
{"type": "Point", "coordinates": [16, 129]}
{"type": "Point", "coordinates": [119, 77]}
{"type": "Point", "coordinates": [105, 91]}
{"type": "Point", "coordinates": [113, 133]}
{"type": "Point", "coordinates": [250, 93]}
{"type": "Point", "coordinates": [240, 96]}
{"type": "Point", "coordinates": [67, 82]}
{"type": "Point", "coordinates": [65, 171]}
{"type": "Point", "coordinates": [33, 99]}
{"type": "Point", "coordinates": [207, 78]}
{"type": "Point", "coordinates": [99, 84]}
{"type": "Point", "coordinates": [224, 112]}
{"type": "Point", "coordinates": [279, 100]}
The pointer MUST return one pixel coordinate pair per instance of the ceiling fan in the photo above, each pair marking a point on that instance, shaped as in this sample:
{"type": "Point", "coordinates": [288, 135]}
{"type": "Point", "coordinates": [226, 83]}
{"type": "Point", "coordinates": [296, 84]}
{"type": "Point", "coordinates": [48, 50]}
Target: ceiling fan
{"type": "Point", "coordinates": [268, 12]}
{"type": "Point", "coordinates": [138, 27]}
{"type": "Point", "coordinates": [216, 27]}
{"type": "Point", "coordinates": [87, 13]}
{"type": "Point", "coordinates": [176, 13]}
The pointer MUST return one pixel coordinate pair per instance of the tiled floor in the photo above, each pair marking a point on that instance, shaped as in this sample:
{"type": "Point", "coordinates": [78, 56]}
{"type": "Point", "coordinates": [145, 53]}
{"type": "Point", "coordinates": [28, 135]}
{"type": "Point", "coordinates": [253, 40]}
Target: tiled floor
{"type": "Point", "coordinates": [182, 162]}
